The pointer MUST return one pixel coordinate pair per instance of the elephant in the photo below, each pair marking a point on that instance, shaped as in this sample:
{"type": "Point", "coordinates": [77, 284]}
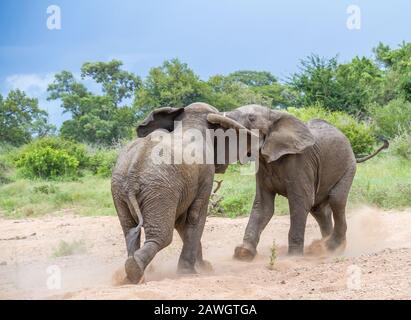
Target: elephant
{"type": "Point", "coordinates": [162, 196]}
{"type": "Point", "coordinates": [311, 164]}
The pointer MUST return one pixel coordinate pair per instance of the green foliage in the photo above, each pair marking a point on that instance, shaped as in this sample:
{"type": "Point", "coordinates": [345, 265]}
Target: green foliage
{"type": "Point", "coordinates": [46, 189]}
{"type": "Point", "coordinates": [171, 84]}
{"type": "Point", "coordinates": [384, 182]}
{"type": "Point", "coordinates": [393, 118]}
{"type": "Point", "coordinates": [397, 65]}
{"type": "Point", "coordinates": [69, 248]}
{"type": "Point", "coordinates": [4, 168]}
{"type": "Point", "coordinates": [96, 119]}
{"type": "Point", "coordinates": [73, 149]}
{"type": "Point", "coordinates": [21, 119]}
{"type": "Point", "coordinates": [50, 158]}
{"type": "Point", "coordinates": [227, 94]}
{"type": "Point", "coordinates": [47, 163]}
{"type": "Point", "coordinates": [117, 84]}
{"type": "Point", "coordinates": [102, 162]}
{"type": "Point", "coordinates": [359, 133]}
{"type": "Point", "coordinates": [401, 145]}
{"type": "Point", "coordinates": [88, 195]}
{"type": "Point", "coordinates": [252, 78]}
{"type": "Point", "coordinates": [273, 256]}
{"type": "Point", "coordinates": [349, 87]}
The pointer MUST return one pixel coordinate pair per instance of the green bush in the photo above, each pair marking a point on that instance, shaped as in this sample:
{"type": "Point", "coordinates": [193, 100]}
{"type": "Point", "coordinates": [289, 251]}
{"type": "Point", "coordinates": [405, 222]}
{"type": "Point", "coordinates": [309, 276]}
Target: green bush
{"type": "Point", "coordinates": [6, 164]}
{"type": "Point", "coordinates": [393, 118]}
{"type": "Point", "coordinates": [47, 163]}
{"type": "Point", "coordinates": [3, 172]}
{"type": "Point", "coordinates": [72, 149]}
{"type": "Point", "coordinates": [359, 133]}
{"type": "Point", "coordinates": [401, 145]}
{"type": "Point", "coordinates": [102, 162]}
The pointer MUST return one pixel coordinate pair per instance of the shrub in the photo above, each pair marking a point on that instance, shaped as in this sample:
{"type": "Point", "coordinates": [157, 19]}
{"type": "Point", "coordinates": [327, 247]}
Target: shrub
{"type": "Point", "coordinates": [401, 145]}
{"type": "Point", "coordinates": [6, 164]}
{"type": "Point", "coordinates": [72, 149]}
{"type": "Point", "coordinates": [46, 189]}
{"type": "Point", "coordinates": [3, 172]}
{"type": "Point", "coordinates": [102, 162]}
{"type": "Point", "coordinates": [393, 118]}
{"type": "Point", "coordinates": [359, 133]}
{"type": "Point", "coordinates": [69, 248]}
{"type": "Point", "coordinates": [46, 162]}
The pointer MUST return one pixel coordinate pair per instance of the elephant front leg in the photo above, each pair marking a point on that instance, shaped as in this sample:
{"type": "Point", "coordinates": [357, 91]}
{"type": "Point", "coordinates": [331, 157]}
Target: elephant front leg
{"type": "Point", "coordinates": [261, 214]}
{"type": "Point", "coordinates": [298, 219]}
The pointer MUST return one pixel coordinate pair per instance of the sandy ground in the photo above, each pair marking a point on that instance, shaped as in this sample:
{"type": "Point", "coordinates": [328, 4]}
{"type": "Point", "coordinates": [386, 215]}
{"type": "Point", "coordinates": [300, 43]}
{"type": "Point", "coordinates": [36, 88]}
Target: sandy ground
{"type": "Point", "coordinates": [375, 265]}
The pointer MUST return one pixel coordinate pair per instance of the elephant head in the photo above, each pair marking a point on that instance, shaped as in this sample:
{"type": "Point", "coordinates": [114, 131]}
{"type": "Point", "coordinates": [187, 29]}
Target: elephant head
{"type": "Point", "coordinates": [279, 133]}
{"type": "Point", "coordinates": [200, 116]}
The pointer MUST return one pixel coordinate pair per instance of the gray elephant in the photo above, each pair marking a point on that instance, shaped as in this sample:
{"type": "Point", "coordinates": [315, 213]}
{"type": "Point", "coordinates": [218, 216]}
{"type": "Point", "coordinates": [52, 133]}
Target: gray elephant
{"type": "Point", "coordinates": [162, 196]}
{"type": "Point", "coordinates": [311, 164]}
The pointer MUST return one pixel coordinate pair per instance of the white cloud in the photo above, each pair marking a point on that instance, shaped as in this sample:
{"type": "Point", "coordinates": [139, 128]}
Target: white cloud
{"type": "Point", "coordinates": [32, 84]}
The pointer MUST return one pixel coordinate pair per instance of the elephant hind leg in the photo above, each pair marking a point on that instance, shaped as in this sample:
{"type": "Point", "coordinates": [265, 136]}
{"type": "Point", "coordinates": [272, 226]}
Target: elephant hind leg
{"type": "Point", "coordinates": [158, 228]}
{"type": "Point", "coordinates": [128, 224]}
{"type": "Point", "coordinates": [338, 201]}
{"type": "Point", "coordinates": [200, 263]}
{"type": "Point", "coordinates": [323, 215]}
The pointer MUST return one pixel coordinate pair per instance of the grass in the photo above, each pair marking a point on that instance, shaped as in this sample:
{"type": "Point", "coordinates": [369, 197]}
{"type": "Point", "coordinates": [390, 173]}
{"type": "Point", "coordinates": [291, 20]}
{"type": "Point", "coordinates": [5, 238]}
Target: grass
{"type": "Point", "coordinates": [90, 195]}
{"type": "Point", "coordinates": [384, 181]}
{"type": "Point", "coordinates": [69, 248]}
{"type": "Point", "coordinates": [273, 256]}
{"type": "Point", "coordinates": [238, 194]}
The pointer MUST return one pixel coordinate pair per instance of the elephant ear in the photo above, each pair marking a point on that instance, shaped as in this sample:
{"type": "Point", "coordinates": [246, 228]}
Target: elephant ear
{"type": "Point", "coordinates": [288, 135]}
{"type": "Point", "coordinates": [162, 118]}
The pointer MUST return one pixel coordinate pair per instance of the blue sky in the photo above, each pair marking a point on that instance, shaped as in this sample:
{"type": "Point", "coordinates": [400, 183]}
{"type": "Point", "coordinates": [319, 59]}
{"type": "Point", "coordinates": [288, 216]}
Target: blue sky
{"type": "Point", "coordinates": [213, 36]}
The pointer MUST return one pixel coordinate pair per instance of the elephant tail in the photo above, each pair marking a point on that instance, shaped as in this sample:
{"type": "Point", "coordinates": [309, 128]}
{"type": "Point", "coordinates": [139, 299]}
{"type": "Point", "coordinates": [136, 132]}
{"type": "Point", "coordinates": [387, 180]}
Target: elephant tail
{"type": "Point", "coordinates": [136, 213]}
{"type": "Point", "coordinates": [384, 146]}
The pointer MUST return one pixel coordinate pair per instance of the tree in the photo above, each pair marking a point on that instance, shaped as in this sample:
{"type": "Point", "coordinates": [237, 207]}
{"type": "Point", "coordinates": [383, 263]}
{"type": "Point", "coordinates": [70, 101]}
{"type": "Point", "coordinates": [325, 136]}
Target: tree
{"type": "Point", "coordinates": [349, 87]}
{"type": "Point", "coordinates": [227, 94]}
{"type": "Point", "coordinates": [171, 84]}
{"type": "Point", "coordinates": [116, 83]}
{"type": "Point", "coordinates": [397, 65]}
{"type": "Point", "coordinates": [252, 78]}
{"type": "Point", "coordinates": [315, 83]}
{"type": "Point", "coordinates": [97, 119]}
{"type": "Point", "coordinates": [21, 119]}
{"type": "Point", "coordinates": [359, 82]}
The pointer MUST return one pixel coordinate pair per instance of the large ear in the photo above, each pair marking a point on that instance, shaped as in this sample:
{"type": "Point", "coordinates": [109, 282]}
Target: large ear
{"type": "Point", "coordinates": [162, 118]}
{"type": "Point", "coordinates": [288, 135]}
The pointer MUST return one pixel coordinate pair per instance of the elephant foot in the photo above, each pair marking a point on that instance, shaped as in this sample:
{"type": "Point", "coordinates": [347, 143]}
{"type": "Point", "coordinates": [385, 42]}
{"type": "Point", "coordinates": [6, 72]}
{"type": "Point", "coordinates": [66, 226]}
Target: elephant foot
{"type": "Point", "coordinates": [296, 250]}
{"type": "Point", "coordinates": [134, 272]}
{"type": "Point", "coordinates": [185, 267]}
{"type": "Point", "coordinates": [244, 254]}
{"type": "Point", "coordinates": [335, 245]}
{"type": "Point", "coordinates": [205, 266]}
{"type": "Point", "coordinates": [186, 271]}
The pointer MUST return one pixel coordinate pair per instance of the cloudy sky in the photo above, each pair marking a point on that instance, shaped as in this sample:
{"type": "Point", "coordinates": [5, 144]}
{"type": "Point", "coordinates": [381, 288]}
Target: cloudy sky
{"type": "Point", "coordinates": [212, 36]}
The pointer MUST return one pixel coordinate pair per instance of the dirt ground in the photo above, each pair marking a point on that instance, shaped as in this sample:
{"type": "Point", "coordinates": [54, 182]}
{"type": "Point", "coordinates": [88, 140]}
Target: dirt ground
{"type": "Point", "coordinates": [375, 265]}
